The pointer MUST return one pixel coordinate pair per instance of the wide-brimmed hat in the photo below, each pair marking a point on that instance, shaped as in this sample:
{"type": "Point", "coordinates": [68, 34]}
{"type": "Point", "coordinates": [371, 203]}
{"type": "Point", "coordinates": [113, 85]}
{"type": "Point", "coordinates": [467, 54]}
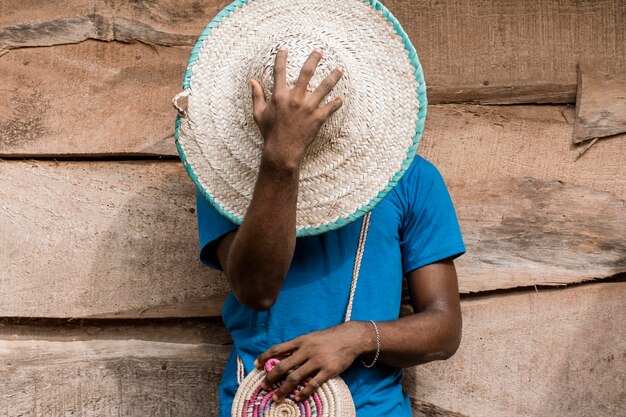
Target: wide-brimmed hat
{"type": "Point", "coordinates": [361, 151]}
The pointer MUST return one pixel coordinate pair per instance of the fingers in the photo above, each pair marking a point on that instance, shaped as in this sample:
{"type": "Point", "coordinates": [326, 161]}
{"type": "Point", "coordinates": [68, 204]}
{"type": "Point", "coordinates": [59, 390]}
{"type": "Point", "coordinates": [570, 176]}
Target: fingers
{"type": "Point", "coordinates": [294, 378]}
{"type": "Point", "coordinates": [326, 85]}
{"type": "Point", "coordinates": [258, 99]}
{"type": "Point", "coordinates": [312, 385]}
{"type": "Point", "coordinates": [281, 370]}
{"type": "Point", "coordinates": [275, 351]}
{"type": "Point", "coordinates": [332, 106]}
{"type": "Point", "coordinates": [280, 70]}
{"type": "Point", "coordinates": [307, 71]}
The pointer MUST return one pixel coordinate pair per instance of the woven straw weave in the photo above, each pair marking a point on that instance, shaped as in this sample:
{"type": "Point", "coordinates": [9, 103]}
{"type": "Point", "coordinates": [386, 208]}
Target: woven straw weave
{"type": "Point", "coordinates": [332, 399]}
{"type": "Point", "coordinates": [360, 152]}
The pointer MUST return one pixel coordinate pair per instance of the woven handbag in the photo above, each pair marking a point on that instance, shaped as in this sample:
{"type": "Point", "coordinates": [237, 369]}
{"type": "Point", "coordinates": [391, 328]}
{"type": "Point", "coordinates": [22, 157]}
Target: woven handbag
{"type": "Point", "coordinates": [332, 398]}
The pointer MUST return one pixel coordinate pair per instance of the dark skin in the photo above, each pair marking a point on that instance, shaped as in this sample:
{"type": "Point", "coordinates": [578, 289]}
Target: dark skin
{"type": "Point", "coordinates": [257, 256]}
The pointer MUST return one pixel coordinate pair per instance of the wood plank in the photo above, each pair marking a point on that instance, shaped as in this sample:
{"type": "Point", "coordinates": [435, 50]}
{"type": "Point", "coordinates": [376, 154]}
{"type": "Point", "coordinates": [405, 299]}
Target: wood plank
{"type": "Point", "coordinates": [490, 142]}
{"type": "Point", "coordinates": [484, 141]}
{"type": "Point", "coordinates": [471, 51]}
{"type": "Point", "coordinates": [529, 48]}
{"type": "Point", "coordinates": [547, 93]}
{"type": "Point", "coordinates": [105, 239]}
{"type": "Point", "coordinates": [119, 239]}
{"type": "Point", "coordinates": [547, 353]}
{"type": "Point", "coordinates": [600, 105]}
{"type": "Point", "coordinates": [92, 26]}
{"type": "Point", "coordinates": [187, 17]}
{"type": "Point", "coordinates": [179, 330]}
{"type": "Point", "coordinates": [110, 377]}
{"type": "Point", "coordinates": [526, 353]}
{"type": "Point", "coordinates": [524, 231]}
{"type": "Point", "coordinates": [103, 110]}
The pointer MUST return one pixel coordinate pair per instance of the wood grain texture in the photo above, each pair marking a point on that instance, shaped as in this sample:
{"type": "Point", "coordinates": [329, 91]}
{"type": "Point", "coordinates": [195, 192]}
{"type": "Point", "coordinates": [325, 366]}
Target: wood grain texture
{"type": "Point", "coordinates": [508, 94]}
{"type": "Point", "coordinates": [524, 231]}
{"type": "Point", "coordinates": [119, 239]}
{"type": "Point", "coordinates": [547, 353]}
{"type": "Point", "coordinates": [90, 98]}
{"type": "Point", "coordinates": [93, 26]}
{"type": "Point", "coordinates": [521, 51]}
{"type": "Point", "coordinates": [80, 119]}
{"type": "Point", "coordinates": [111, 367]}
{"type": "Point", "coordinates": [528, 47]}
{"type": "Point", "coordinates": [178, 330]}
{"type": "Point", "coordinates": [104, 239]}
{"type": "Point", "coordinates": [109, 377]}
{"type": "Point", "coordinates": [600, 105]}
{"type": "Point", "coordinates": [525, 354]}
{"type": "Point", "coordinates": [490, 142]}
{"type": "Point", "coordinates": [118, 100]}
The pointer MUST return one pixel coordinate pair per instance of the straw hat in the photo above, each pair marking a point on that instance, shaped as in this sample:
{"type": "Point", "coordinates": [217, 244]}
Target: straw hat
{"type": "Point", "coordinates": [361, 151]}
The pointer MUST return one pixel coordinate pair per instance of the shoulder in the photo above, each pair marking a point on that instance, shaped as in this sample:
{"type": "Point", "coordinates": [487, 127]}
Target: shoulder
{"type": "Point", "coordinates": [419, 179]}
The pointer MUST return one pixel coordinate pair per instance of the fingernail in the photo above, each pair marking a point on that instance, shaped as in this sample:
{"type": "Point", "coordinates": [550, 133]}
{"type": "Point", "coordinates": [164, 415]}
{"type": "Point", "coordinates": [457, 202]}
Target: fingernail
{"type": "Point", "coordinates": [256, 363]}
{"type": "Point", "coordinates": [318, 50]}
{"type": "Point", "coordinates": [282, 48]}
{"type": "Point", "coordinates": [340, 69]}
{"type": "Point", "coordinates": [275, 398]}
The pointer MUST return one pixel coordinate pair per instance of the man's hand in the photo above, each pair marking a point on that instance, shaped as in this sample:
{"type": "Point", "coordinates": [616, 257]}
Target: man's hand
{"type": "Point", "coordinates": [320, 355]}
{"type": "Point", "coordinates": [291, 119]}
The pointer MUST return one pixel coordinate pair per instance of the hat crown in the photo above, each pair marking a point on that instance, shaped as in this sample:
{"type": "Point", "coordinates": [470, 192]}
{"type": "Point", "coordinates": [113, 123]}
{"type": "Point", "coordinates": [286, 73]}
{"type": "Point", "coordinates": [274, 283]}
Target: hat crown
{"type": "Point", "coordinates": [299, 49]}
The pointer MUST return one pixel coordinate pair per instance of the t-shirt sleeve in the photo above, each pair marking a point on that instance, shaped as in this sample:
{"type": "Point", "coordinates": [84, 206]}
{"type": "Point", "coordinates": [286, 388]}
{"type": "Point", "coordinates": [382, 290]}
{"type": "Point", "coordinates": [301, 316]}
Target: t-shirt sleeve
{"type": "Point", "coordinates": [212, 226]}
{"type": "Point", "coordinates": [430, 230]}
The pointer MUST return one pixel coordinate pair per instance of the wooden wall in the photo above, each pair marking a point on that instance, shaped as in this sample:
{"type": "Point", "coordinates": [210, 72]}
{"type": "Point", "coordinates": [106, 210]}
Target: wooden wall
{"type": "Point", "coordinates": [105, 308]}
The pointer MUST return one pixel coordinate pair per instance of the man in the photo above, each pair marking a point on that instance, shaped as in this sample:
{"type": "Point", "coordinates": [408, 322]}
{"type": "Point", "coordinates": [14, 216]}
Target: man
{"type": "Point", "coordinates": [288, 295]}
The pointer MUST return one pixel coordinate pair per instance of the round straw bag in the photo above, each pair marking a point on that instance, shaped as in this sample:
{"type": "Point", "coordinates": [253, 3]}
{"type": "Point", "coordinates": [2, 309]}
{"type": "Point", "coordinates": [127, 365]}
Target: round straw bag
{"type": "Point", "coordinates": [332, 398]}
{"type": "Point", "coordinates": [359, 154]}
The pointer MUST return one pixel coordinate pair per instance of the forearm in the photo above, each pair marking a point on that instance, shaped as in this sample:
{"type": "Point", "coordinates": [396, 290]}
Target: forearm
{"type": "Point", "coordinates": [408, 341]}
{"type": "Point", "coordinates": [412, 340]}
{"type": "Point", "coordinates": [261, 253]}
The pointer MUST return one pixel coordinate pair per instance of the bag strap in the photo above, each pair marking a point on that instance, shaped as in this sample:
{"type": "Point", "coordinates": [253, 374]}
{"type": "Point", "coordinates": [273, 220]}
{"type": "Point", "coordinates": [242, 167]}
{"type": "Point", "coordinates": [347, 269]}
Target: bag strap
{"type": "Point", "coordinates": [357, 262]}
{"type": "Point", "coordinates": [241, 373]}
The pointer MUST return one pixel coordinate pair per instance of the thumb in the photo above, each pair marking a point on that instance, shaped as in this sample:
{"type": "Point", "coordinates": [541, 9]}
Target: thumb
{"type": "Point", "coordinates": [258, 99]}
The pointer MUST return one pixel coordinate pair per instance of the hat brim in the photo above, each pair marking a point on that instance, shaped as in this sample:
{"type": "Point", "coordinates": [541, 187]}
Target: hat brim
{"type": "Point", "coordinates": [221, 148]}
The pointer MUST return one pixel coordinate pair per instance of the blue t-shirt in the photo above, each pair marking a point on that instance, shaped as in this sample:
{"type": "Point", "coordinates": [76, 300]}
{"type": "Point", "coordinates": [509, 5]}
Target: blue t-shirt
{"type": "Point", "coordinates": [414, 225]}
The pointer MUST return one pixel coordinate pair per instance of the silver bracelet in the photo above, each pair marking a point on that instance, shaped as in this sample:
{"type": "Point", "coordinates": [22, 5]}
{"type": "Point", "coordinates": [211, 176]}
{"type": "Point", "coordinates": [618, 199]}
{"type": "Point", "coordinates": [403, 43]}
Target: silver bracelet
{"type": "Point", "coordinates": [377, 347]}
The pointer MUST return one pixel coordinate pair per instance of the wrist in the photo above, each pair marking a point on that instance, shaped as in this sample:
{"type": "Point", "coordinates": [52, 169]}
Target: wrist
{"type": "Point", "coordinates": [282, 157]}
{"type": "Point", "coordinates": [364, 337]}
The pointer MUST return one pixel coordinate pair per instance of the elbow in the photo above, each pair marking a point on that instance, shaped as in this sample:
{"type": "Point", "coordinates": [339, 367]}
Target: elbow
{"type": "Point", "coordinates": [448, 337]}
{"type": "Point", "coordinates": [259, 303]}
{"type": "Point", "coordinates": [452, 340]}
{"type": "Point", "coordinates": [450, 348]}
{"type": "Point", "coordinates": [255, 300]}
{"type": "Point", "coordinates": [257, 297]}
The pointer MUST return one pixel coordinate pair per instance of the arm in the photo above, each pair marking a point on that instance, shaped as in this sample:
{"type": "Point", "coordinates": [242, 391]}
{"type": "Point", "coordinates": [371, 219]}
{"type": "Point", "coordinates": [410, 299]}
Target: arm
{"type": "Point", "coordinates": [432, 333]}
{"type": "Point", "coordinates": [257, 256]}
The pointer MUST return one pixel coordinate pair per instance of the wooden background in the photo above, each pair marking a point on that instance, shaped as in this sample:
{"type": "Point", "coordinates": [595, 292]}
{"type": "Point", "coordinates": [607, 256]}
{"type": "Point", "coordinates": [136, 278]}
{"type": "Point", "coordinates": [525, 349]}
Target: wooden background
{"type": "Point", "coordinates": [105, 308]}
